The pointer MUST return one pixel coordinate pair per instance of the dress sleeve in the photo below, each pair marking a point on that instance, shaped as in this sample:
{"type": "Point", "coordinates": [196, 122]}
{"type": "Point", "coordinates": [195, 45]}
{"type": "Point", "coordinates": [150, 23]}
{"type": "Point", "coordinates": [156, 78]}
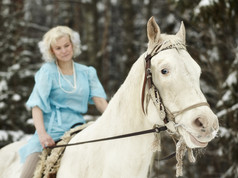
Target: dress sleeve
{"type": "Point", "coordinates": [41, 91]}
{"type": "Point", "coordinates": [95, 87]}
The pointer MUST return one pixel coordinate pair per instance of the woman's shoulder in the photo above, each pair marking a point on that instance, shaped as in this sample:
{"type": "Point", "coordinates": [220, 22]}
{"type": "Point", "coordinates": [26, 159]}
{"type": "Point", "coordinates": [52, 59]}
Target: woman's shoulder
{"type": "Point", "coordinates": [47, 69]}
{"type": "Point", "coordinates": [48, 66]}
{"type": "Point", "coordinates": [84, 68]}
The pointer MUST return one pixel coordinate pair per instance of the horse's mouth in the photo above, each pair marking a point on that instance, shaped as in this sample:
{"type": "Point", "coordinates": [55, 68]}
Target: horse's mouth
{"type": "Point", "coordinates": [196, 142]}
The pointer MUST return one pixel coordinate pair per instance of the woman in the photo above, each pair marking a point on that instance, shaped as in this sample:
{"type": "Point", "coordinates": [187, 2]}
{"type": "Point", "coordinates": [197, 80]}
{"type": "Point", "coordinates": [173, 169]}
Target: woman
{"type": "Point", "coordinates": [61, 94]}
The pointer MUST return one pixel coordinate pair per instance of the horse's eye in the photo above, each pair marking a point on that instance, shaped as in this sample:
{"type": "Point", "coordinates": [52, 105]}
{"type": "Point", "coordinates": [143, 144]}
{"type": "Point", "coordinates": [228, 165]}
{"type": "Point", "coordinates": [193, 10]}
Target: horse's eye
{"type": "Point", "coordinates": [164, 71]}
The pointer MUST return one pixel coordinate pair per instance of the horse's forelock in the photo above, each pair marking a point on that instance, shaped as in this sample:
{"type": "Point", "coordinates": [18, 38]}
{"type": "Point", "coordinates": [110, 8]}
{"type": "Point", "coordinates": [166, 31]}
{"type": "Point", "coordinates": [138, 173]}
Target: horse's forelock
{"type": "Point", "coordinates": [167, 41]}
{"type": "Point", "coordinates": [171, 40]}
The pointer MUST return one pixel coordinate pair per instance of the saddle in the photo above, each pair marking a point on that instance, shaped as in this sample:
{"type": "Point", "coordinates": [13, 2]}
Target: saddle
{"type": "Point", "coordinates": [50, 159]}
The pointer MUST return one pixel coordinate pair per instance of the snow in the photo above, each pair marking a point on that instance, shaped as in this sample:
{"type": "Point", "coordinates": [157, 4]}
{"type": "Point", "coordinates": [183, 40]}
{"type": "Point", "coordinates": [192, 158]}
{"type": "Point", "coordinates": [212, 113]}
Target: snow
{"type": "Point", "coordinates": [84, 47]}
{"type": "Point", "coordinates": [219, 152]}
{"type": "Point", "coordinates": [204, 3]}
{"type": "Point", "coordinates": [5, 11]}
{"type": "Point", "coordinates": [225, 111]}
{"type": "Point", "coordinates": [30, 121]}
{"type": "Point", "coordinates": [146, 2]}
{"type": "Point", "coordinates": [100, 7]}
{"type": "Point", "coordinates": [15, 135]}
{"type": "Point", "coordinates": [206, 88]}
{"type": "Point", "coordinates": [15, 67]}
{"type": "Point", "coordinates": [16, 97]}
{"type": "Point", "coordinates": [3, 85]}
{"type": "Point", "coordinates": [26, 53]}
{"type": "Point", "coordinates": [221, 113]}
{"type": "Point", "coordinates": [224, 132]}
{"type": "Point", "coordinates": [220, 103]}
{"type": "Point", "coordinates": [234, 107]}
{"type": "Point", "coordinates": [114, 2]}
{"type": "Point", "coordinates": [226, 96]}
{"type": "Point", "coordinates": [26, 73]}
{"type": "Point", "coordinates": [170, 19]}
{"type": "Point", "coordinates": [3, 135]}
{"type": "Point", "coordinates": [12, 48]}
{"type": "Point", "coordinates": [213, 54]}
{"type": "Point", "coordinates": [232, 78]}
{"type": "Point", "coordinates": [2, 105]}
{"type": "Point", "coordinates": [86, 1]}
{"type": "Point", "coordinates": [4, 2]}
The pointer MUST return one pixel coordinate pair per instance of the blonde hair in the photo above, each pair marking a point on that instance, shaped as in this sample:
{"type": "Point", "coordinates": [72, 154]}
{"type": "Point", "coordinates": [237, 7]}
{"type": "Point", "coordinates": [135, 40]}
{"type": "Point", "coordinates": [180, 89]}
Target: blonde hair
{"type": "Point", "coordinates": [50, 38]}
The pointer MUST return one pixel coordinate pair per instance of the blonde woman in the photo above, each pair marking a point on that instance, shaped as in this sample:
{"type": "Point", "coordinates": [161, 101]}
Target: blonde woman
{"type": "Point", "coordinates": [61, 94]}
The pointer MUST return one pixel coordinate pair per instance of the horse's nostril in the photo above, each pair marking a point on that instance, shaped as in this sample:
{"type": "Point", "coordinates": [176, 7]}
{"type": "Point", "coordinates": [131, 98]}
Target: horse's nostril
{"type": "Point", "coordinates": [198, 122]}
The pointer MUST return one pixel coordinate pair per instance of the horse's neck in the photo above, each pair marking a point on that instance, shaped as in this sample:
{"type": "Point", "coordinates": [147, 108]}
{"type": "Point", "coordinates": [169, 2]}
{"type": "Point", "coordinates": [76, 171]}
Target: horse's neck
{"type": "Point", "coordinates": [123, 115]}
{"type": "Point", "coordinates": [125, 107]}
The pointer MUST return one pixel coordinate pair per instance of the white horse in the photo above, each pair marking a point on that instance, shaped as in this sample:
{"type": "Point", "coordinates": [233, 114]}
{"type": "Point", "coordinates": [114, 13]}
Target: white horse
{"type": "Point", "coordinates": [176, 76]}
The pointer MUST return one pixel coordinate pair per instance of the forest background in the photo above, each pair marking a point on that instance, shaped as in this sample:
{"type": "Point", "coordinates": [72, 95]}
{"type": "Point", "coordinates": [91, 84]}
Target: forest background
{"type": "Point", "coordinates": [113, 36]}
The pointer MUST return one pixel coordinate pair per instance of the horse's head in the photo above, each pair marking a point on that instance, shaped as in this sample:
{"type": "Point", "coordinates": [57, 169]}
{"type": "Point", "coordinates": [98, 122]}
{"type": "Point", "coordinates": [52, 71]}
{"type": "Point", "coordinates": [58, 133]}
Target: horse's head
{"type": "Point", "coordinates": [176, 76]}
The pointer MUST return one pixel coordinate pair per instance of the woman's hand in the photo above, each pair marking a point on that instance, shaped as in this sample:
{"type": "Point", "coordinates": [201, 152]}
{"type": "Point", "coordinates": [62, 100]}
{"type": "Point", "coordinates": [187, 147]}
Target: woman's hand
{"type": "Point", "coordinates": [46, 140]}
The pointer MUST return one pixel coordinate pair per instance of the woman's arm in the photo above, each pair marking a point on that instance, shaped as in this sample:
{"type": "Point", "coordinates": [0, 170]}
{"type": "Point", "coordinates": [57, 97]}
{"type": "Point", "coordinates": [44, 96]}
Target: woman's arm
{"type": "Point", "coordinates": [101, 103]}
{"type": "Point", "coordinates": [38, 120]}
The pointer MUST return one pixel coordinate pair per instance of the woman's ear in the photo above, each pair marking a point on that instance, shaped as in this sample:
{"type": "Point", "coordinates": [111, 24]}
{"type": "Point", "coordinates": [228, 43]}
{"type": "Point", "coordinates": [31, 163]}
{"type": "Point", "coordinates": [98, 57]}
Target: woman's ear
{"type": "Point", "coordinates": [52, 51]}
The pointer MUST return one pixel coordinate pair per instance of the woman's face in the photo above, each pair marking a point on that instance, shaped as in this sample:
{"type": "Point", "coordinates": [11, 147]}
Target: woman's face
{"type": "Point", "coordinates": [63, 49]}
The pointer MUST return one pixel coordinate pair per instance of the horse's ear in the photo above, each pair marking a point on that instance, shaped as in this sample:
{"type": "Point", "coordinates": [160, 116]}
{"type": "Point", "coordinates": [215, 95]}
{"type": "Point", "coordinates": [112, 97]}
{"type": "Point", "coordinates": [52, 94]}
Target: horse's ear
{"type": "Point", "coordinates": [153, 30]}
{"type": "Point", "coordinates": [182, 33]}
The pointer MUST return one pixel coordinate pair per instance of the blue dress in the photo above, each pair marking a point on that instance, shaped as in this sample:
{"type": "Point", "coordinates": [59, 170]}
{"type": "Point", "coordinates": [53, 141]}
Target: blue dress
{"type": "Point", "coordinates": [61, 110]}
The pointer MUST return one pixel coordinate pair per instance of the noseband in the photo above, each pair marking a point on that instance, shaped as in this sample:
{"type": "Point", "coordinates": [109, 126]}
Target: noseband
{"type": "Point", "coordinates": [165, 114]}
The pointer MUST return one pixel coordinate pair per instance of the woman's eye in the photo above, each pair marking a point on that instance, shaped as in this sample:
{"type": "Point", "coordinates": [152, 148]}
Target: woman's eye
{"type": "Point", "coordinates": [164, 71]}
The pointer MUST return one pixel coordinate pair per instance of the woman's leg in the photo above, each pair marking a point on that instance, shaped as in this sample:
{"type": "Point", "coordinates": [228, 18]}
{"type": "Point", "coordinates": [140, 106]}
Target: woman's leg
{"type": "Point", "coordinates": [30, 165]}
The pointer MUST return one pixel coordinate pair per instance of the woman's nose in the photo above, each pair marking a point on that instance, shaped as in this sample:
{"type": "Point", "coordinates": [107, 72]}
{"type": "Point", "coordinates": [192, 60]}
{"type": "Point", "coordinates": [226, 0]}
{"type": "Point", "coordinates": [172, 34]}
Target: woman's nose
{"type": "Point", "coordinates": [63, 50]}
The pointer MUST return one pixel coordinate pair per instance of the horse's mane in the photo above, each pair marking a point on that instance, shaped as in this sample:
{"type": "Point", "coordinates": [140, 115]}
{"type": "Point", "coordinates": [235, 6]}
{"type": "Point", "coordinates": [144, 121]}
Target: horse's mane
{"type": "Point", "coordinates": [127, 97]}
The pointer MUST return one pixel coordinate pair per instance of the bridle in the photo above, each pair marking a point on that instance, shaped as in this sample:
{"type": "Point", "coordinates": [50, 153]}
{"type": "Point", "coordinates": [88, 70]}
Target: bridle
{"type": "Point", "coordinates": [165, 114]}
